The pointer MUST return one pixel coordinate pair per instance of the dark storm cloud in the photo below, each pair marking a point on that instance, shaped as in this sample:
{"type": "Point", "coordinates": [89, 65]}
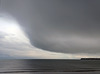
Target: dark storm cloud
{"type": "Point", "coordinates": [70, 26]}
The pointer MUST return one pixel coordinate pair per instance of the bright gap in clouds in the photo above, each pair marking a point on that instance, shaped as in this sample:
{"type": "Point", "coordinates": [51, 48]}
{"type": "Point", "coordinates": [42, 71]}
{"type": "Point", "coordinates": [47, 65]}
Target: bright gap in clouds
{"type": "Point", "coordinates": [12, 29]}
{"type": "Point", "coordinates": [9, 27]}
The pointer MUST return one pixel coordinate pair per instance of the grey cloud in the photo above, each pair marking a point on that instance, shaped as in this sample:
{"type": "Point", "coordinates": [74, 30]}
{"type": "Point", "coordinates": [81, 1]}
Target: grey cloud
{"type": "Point", "coordinates": [69, 26]}
{"type": "Point", "coordinates": [2, 34]}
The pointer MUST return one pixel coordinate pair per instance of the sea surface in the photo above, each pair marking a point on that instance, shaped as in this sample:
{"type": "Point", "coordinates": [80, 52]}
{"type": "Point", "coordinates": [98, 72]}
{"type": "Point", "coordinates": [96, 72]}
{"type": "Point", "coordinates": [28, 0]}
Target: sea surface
{"type": "Point", "coordinates": [49, 66]}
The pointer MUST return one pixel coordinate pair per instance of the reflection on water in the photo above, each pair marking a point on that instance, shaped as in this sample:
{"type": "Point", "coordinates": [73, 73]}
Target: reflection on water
{"type": "Point", "coordinates": [48, 66]}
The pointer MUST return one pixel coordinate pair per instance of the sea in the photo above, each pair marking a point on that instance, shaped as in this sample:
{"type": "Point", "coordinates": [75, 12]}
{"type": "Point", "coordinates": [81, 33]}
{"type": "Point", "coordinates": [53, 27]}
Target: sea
{"type": "Point", "coordinates": [49, 66]}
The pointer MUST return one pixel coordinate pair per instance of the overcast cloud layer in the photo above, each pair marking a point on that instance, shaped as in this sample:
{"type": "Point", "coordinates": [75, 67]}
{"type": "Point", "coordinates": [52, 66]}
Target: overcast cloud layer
{"type": "Point", "coordinates": [69, 26]}
{"type": "Point", "coordinates": [15, 45]}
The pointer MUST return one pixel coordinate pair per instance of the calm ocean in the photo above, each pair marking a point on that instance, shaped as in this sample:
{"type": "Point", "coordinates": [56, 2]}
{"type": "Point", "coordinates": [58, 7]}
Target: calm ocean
{"type": "Point", "coordinates": [49, 67]}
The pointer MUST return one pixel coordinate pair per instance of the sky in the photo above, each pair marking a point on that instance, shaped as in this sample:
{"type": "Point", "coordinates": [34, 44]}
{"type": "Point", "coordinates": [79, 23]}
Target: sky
{"type": "Point", "coordinates": [50, 29]}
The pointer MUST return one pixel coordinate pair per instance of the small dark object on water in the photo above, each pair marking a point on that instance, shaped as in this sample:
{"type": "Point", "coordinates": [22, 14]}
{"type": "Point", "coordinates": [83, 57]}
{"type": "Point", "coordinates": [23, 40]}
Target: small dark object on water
{"type": "Point", "coordinates": [90, 58]}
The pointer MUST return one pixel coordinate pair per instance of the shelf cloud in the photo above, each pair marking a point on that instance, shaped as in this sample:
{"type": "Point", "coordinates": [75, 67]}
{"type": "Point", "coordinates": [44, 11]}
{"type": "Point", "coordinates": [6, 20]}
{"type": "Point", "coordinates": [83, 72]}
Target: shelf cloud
{"type": "Point", "coordinates": [68, 26]}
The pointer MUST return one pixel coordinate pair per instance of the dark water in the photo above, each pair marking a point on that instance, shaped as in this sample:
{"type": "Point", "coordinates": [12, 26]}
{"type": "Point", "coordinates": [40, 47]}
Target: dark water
{"type": "Point", "coordinates": [49, 67]}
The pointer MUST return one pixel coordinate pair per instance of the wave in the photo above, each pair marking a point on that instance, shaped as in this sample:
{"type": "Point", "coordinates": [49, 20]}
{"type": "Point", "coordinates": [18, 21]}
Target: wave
{"type": "Point", "coordinates": [49, 70]}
